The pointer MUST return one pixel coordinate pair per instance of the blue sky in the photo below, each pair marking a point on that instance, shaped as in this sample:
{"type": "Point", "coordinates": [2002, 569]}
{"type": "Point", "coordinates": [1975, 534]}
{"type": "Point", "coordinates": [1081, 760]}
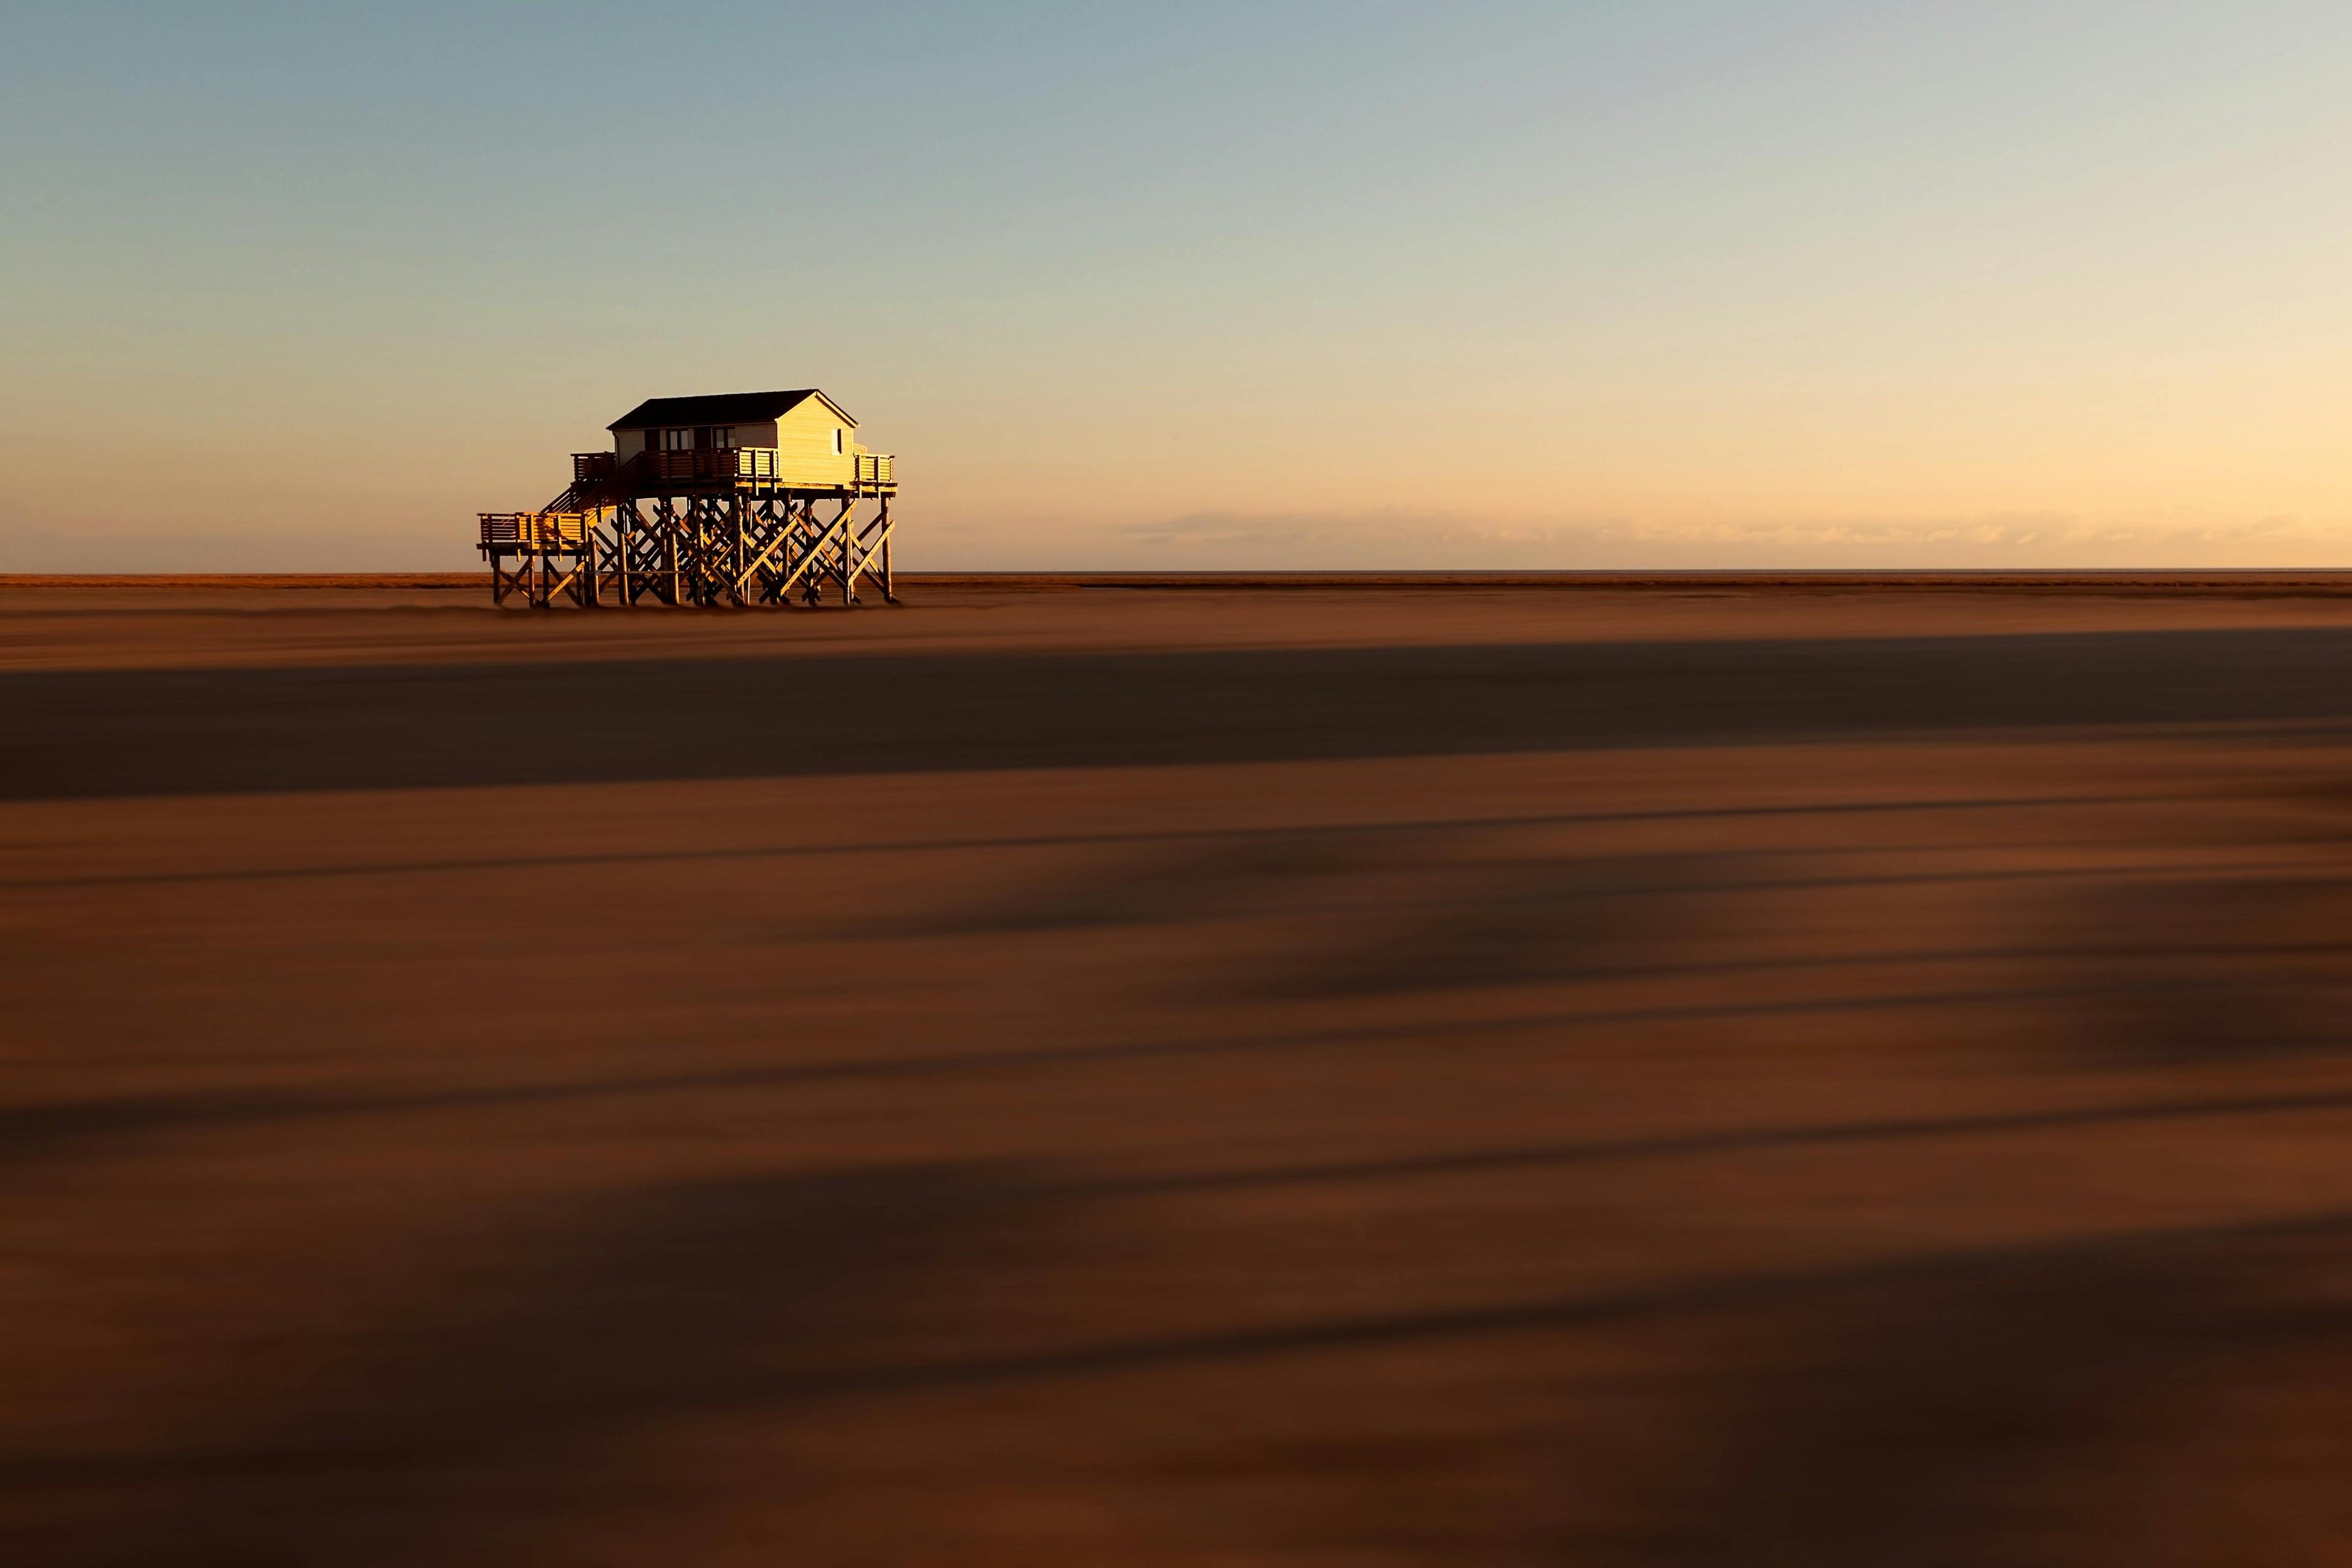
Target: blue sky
{"type": "Point", "coordinates": [1487, 284]}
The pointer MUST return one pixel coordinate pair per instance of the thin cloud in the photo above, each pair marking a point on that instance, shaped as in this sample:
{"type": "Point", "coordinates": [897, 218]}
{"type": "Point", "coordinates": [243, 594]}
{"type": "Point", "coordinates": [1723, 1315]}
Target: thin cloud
{"type": "Point", "coordinates": [1402, 537]}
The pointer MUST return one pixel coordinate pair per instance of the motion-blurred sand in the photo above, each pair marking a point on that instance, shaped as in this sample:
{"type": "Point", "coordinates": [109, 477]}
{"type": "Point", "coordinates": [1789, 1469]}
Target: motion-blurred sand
{"type": "Point", "coordinates": [1703, 1071]}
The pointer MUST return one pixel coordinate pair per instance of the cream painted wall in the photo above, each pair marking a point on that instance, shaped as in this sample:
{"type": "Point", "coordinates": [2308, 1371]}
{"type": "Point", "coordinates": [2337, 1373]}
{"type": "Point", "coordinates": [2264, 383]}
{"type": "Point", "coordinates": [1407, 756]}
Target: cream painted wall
{"type": "Point", "coordinates": [804, 442]}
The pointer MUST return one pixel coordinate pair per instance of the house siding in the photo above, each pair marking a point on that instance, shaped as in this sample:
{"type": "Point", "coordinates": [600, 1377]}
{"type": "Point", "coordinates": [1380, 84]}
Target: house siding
{"type": "Point", "coordinates": [627, 444]}
{"type": "Point", "coordinates": [804, 445]}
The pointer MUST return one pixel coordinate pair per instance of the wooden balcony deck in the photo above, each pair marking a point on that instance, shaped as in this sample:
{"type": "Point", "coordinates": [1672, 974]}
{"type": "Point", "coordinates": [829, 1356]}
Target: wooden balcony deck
{"type": "Point", "coordinates": [559, 532]}
{"type": "Point", "coordinates": [602, 478]}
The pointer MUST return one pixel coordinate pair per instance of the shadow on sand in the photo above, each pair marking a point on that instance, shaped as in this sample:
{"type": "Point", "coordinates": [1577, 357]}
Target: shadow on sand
{"type": "Point", "coordinates": [123, 732]}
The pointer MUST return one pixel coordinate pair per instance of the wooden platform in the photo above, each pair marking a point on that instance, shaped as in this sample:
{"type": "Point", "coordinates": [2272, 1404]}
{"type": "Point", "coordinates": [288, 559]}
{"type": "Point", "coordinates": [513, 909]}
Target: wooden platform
{"type": "Point", "coordinates": [602, 478]}
{"type": "Point", "coordinates": [736, 526]}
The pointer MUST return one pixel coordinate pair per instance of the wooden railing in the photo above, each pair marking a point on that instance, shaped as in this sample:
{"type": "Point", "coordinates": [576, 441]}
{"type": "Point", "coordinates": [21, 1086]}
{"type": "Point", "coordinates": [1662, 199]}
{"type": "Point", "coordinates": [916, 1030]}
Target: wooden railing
{"type": "Point", "coordinates": [714, 464]}
{"type": "Point", "coordinates": [600, 479]}
{"type": "Point", "coordinates": [708, 465]}
{"type": "Point", "coordinates": [537, 530]}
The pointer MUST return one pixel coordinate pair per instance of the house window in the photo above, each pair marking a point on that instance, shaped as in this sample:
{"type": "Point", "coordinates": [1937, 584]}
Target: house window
{"type": "Point", "coordinates": [678, 440]}
{"type": "Point", "coordinates": [837, 434]}
{"type": "Point", "coordinates": [723, 437]}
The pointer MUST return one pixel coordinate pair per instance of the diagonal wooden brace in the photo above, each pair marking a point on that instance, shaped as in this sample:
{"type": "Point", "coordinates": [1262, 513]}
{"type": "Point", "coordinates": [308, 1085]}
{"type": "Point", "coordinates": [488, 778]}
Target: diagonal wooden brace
{"type": "Point", "coordinates": [870, 540]}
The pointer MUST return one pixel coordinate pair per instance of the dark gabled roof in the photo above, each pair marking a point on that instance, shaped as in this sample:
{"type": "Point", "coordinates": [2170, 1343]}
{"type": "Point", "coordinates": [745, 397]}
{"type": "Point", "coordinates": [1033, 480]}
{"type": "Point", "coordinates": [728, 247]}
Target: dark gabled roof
{"type": "Point", "coordinates": [724, 408]}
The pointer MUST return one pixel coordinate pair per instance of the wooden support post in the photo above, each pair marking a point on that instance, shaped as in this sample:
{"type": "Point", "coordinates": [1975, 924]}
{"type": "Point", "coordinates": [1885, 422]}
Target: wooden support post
{"type": "Point", "coordinates": [624, 563]}
{"type": "Point", "coordinates": [738, 544]}
{"type": "Point", "coordinates": [706, 548]}
{"type": "Point", "coordinates": [666, 523]}
{"type": "Point", "coordinates": [636, 577]}
{"type": "Point", "coordinates": [812, 538]}
{"type": "Point", "coordinates": [640, 576]}
{"type": "Point", "coordinates": [713, 534]}
{"type": "Point", "coordinates": [848, 555]}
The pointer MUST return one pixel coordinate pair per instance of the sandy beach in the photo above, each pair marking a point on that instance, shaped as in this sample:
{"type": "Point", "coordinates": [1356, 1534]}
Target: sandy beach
{"type": "Point", "coordinates": [1808, 1070]}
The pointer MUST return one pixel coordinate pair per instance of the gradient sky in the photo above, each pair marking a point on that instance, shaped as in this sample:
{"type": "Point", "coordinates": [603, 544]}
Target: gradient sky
{"type": "Point", "coordinates": [1706, 283]}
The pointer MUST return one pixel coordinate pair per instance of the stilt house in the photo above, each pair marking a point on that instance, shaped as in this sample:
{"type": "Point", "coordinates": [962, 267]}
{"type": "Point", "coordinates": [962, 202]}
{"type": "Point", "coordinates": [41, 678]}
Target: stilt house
{"type": "Point", "coordinates": [708, 501]}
